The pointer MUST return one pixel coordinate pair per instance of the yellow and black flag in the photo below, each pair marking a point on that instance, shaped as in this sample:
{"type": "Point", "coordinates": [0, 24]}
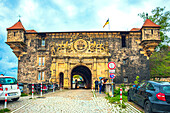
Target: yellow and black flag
{"type": "Point", "coordinates": [107, 22]}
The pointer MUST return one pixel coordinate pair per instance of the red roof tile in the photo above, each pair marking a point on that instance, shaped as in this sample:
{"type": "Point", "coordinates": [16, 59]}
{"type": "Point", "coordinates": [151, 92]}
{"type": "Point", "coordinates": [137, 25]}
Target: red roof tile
{"type": "Point", "coordinates": [18, 25]}
{"type": "Point", "coordinates": [149, 23]}
{"type": "Point", "coordinates": [135, 29]}
{"type": "Point", "coordinates": [31, 31]}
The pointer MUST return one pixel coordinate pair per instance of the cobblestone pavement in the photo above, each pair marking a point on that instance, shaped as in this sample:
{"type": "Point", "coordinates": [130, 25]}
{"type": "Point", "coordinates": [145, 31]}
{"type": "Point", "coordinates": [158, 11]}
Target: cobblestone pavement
{"type": "Point", "coordinates": [66, 101]}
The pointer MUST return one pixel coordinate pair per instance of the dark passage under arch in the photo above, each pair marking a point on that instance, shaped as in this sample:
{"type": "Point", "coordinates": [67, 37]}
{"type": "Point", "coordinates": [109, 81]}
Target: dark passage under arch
{"type": "Point", "coordinates": [84, 72]}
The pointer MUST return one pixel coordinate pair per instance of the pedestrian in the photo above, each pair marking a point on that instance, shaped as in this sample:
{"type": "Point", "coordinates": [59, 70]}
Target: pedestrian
{"type": "Point", "coordinates": [101, 85]}
{"type": "Point", "coordinates": [76, 83]}
{"type": "Point", "coordinates": [104, 84]}
{"type": "Point", "coordinates": [96, 85]}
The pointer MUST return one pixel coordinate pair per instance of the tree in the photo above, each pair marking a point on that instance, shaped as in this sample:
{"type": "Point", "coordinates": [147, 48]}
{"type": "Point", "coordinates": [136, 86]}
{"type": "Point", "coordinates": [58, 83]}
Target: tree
{"type": "Point", "coordinates": [160, 60]}
{"type": "Point", "coordinates": [160, 63]}
{"type": "Point", "coordinates": [160, 17]}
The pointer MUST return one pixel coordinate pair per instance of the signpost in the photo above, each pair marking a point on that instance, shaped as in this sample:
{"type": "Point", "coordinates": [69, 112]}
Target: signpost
{"type": "Point", "coordinates": [112, 66]}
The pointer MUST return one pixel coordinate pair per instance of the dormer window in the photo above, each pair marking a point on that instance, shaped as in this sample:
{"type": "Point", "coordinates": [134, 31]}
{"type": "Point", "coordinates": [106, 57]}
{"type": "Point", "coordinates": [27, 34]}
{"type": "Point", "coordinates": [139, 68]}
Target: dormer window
{"type": "Point", "coordinates": [43, 42]}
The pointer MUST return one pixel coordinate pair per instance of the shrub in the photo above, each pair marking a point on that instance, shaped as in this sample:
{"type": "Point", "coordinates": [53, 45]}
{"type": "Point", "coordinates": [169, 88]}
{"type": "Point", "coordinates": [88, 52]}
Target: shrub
{"type": "Point", "coordinates": [23, 94]}
{"type": "Point", "coordinates": [4, 110]}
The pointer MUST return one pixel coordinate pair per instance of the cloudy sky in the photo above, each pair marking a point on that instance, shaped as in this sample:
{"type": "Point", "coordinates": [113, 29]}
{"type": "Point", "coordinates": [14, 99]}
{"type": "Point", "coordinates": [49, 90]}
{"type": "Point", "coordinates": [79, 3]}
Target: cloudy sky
{"type": "Point", "coordinates": [68, 15]}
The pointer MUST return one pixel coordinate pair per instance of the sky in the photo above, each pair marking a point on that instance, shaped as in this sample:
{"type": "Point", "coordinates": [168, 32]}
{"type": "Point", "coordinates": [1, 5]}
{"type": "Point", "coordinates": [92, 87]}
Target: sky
{"type": "Point", "coordinates": [68, 15]}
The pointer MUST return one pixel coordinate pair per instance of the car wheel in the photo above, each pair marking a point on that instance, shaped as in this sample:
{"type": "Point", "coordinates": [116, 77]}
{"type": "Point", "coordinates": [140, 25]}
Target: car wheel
{"type": "Point", "coordinates": [15, 99]}
{"type": "Point", "coordinates": [147, 107]}
{"type": "Point", "coordinates": [129, 98]}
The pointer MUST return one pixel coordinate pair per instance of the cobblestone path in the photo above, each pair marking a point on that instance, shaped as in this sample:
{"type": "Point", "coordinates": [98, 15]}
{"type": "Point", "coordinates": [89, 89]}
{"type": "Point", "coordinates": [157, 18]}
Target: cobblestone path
{"type": "Point", "coordinates": [66, 101]}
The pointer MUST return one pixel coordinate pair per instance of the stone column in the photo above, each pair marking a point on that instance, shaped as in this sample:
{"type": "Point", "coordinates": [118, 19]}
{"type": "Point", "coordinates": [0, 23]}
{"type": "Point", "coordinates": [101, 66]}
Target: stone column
{"type": "Point", "coordinates": [94, 68]}
{"type": "Point", "coordinates": [66, 79]}
{"type": "Point", "coordinates": [106, 68]}
{"type": "Point", "coordinates": [57, 73]}
{"type": "Point", "coordinates": [53, 70]}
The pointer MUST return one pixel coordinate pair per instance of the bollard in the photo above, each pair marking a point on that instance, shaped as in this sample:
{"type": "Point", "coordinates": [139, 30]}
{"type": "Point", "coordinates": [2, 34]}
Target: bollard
{"type": "Point", "coordinates": [32, 90]}
{"type": "Point", "coordinates": [53, 87]}
{"type": "Point", "coordinates": [120, 95]}
{"type": "Point", "coordinates": [41, 88]}
{"type": "Point", "coordinates": [60, 87]}
{"type": "Point", "coordinates": [5, 106]}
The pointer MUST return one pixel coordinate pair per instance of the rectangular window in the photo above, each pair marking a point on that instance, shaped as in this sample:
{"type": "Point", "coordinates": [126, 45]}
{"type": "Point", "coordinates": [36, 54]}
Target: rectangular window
{"type": "Point", "coordinates": [124, 61]}
{"type": "Point", "coordinates": [41, 61]}
{"type": "Point", "coordinates": [43, 42]}
{"type": "Point", "coordinates": [152, 31]}
{"type": "Point", "coordinates": [14, 33]}
{"type": "Point", "coordinates": [125, 79]}
{"type": "Point", "coordinates": [41, 75]}
{"type": "Point", "coordinates": [123, 41]}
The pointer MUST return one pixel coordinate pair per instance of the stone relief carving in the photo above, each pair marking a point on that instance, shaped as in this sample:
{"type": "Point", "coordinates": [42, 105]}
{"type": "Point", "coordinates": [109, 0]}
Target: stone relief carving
{"type": "Point", "coordinates": [80, 45]}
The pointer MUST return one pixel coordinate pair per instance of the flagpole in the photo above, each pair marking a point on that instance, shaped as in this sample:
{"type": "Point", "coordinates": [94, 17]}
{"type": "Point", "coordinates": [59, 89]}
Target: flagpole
{"type": "Point", "coordinates": [109, 24]}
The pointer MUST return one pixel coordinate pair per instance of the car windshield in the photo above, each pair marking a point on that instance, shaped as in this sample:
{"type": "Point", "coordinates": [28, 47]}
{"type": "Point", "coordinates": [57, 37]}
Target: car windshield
{"type": "Point", "coordinates": [166, 89]}
{"type": "Point", "coordinates": [8, 81]}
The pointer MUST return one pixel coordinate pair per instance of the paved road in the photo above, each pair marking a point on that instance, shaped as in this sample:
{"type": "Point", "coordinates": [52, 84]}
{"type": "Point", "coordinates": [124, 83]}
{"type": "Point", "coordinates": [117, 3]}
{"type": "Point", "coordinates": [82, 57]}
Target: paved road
{"type": "Point", "coordinates": [66, 101]}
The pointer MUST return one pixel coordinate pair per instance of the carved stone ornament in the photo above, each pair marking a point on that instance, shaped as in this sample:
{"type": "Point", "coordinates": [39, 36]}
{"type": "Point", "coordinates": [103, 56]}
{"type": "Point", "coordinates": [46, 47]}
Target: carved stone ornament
{"type": "Point", "coordinates": [80, 45]}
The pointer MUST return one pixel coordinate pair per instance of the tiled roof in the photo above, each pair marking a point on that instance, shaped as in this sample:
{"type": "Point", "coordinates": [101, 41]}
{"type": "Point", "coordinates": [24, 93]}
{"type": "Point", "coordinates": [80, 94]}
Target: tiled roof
{"type": "Point", "coordinates": [31, 31]}
{"type": "Point", "coordinates": [18, 25]}
{"type": "Point", "coordinates": [149, 23]}
{"type": "Point", "coordinates": [135, 29]}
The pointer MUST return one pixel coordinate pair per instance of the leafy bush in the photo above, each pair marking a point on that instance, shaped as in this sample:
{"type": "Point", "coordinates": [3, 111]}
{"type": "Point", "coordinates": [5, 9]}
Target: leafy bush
{"type": "Point", "coordinates": [116, 99]}
{"type": "Point", "coordinates": [4, 110]}
{"type": "Point", "coordinates": [137, 80]}
{"type": "Point", "coordinates": [23, 94]}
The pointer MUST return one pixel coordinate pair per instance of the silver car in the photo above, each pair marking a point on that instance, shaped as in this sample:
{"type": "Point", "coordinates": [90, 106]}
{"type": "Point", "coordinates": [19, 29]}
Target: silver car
{"type": "Point", "coordinates": [10, 86]}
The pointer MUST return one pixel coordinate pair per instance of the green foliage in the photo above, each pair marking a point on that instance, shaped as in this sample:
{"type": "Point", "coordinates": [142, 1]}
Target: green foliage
{"type": "Point", "coordinates": [137, 80]}
{"type": "Point", "coordinates": [159, 63]}
{"type": "Point", "coordinates": [4, 110]}
{"type": "Point", "coordinates": [160, 17]}
{"type": "Point", "coordinates": [23, 94]}
{"type": "Point", "coordinates": [77, 76]}
{"type": "Point", "coordinates": [116, 99]}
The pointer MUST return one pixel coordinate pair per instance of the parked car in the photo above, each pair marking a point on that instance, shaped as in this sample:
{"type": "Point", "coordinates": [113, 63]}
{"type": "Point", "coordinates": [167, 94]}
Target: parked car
{"type": "Point", "coordinates": [13, 91]}
{"type": "Point", "coordinates": [81, 84]}
{"type": "Point", "coordinates": [153, 96]}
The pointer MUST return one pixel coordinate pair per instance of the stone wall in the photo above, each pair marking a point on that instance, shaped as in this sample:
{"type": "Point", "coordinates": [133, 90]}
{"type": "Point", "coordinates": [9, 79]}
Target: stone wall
{"type": "Point", "coordinates": [130, 63]}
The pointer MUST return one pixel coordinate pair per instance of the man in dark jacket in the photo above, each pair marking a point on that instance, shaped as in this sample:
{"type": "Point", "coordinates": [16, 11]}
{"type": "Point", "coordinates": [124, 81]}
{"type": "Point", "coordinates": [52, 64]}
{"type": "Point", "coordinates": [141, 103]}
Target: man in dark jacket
{"type": "Point", "coordinates": [96, 85]}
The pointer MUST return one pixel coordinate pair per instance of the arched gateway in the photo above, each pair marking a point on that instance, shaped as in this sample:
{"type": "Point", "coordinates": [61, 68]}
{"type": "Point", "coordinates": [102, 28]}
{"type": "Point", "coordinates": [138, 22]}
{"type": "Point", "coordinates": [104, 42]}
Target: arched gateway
{"type": "Point", "coordinates": [84, 72]}
{"type": "Point", "coordinates": [57, 56]}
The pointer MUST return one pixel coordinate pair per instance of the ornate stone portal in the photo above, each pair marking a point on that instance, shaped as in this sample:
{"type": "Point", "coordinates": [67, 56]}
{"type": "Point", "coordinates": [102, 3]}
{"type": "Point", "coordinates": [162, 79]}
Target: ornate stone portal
{"type": "Point", "coordinates": [80, 51]}
{"type": "Point", "coordinates": [58, 56]}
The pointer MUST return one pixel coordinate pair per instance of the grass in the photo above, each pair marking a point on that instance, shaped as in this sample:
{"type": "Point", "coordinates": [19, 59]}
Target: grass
{"type": "Point", "coordinates": [4, 110]}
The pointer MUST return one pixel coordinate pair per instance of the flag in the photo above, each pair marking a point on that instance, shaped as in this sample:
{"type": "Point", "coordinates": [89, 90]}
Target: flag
{"type": "Point", "coordinates": [107, 22]}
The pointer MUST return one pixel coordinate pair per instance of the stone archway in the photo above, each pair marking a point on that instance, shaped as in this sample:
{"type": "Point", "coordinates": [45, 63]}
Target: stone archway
{"type": "Point", "coordinates": [84, 72]}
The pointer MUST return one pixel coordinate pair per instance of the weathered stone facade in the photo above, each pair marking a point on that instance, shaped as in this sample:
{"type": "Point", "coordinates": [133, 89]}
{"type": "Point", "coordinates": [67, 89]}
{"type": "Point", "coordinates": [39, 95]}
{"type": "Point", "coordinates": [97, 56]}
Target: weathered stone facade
{"type": "Point", "coordinates": [86, 53]}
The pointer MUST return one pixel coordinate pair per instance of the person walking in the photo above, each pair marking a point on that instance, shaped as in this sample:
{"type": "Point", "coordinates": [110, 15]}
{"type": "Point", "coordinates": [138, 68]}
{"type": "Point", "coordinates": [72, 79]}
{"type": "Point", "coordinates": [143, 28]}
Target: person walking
{"type": "Point", "coordinates": [101, 85]}
{"type": "Point", "coordinates": [96, 85]}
